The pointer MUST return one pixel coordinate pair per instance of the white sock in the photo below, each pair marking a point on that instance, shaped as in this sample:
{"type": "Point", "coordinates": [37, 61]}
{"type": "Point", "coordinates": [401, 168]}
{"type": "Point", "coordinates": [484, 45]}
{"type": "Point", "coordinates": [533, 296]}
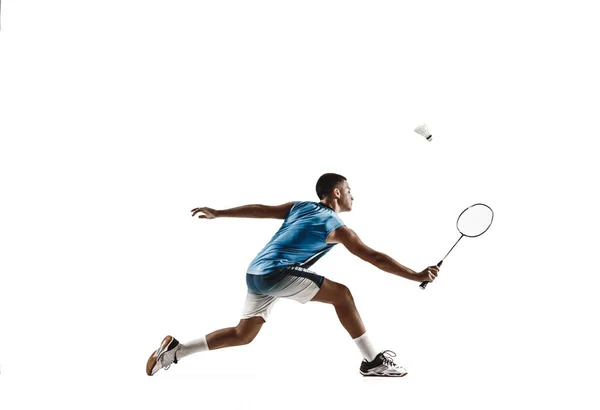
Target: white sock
{"type": "Point", "coordinates": [365, 347]}
{"type": "Point", "coordinates": [195, 346]}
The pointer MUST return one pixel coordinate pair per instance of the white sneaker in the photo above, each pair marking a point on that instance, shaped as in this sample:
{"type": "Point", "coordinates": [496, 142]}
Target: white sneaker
{"type": "Point", "coordinates": [382, 365]}
{"type": "Point", "coordinates": [164, 356]}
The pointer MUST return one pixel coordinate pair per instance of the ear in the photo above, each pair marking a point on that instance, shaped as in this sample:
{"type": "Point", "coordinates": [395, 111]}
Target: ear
{"type": "Point", "coordinates": [337, 193]}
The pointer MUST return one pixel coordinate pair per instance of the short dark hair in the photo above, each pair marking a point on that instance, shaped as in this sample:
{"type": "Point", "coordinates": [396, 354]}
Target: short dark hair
{"type": "Point", "coordinates": [326, 184]}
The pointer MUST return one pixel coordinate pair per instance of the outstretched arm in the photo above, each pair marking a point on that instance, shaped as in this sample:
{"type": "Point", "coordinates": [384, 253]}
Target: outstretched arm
{"type": "Point", "coordinates": [246, 211]}
{"type": "Point", "coordinates": [352, 242]}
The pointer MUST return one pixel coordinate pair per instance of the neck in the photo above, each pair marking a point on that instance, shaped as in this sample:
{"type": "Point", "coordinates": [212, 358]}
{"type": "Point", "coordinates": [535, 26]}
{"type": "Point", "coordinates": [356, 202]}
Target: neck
{"type": "Point", "coordinates": [330, 204]}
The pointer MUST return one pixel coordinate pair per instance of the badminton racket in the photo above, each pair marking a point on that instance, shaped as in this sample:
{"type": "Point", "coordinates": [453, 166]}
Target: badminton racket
{"type": "Point", "coordinates": [472, 222]}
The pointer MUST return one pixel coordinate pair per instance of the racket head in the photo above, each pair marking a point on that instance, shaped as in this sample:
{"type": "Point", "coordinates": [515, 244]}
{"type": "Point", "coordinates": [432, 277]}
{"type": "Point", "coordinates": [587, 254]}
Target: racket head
{"type": "Point", "coordinates": [475, 220]}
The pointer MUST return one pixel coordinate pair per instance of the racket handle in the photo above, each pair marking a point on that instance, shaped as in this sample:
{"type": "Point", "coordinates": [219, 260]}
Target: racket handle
{"type": "Point", "coordinates": [423, 285]}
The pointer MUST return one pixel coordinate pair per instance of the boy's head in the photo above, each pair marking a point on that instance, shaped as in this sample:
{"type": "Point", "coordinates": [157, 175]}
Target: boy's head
{"type": "Point", "coordinates": [337, 186]}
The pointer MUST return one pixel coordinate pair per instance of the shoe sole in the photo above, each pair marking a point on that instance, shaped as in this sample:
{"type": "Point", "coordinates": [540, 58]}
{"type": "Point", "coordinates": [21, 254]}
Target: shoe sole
{"type": "Point", "coordinates": [154, 356]}
{"type": "Point", "coordinates": [382, 375]}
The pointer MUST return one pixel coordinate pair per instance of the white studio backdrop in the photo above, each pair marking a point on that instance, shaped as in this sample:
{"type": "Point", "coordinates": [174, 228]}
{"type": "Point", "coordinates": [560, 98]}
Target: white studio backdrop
{"type": "Point", "coordinates": [118, 118]}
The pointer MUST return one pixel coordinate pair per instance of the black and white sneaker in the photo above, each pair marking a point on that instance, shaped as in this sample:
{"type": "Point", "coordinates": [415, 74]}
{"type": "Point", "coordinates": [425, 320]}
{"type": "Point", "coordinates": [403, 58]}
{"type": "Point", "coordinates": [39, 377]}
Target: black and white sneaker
{"type": "Point", "coordinates": [164, 356]}
{"type": "Point", "coordinates": [382, 365]}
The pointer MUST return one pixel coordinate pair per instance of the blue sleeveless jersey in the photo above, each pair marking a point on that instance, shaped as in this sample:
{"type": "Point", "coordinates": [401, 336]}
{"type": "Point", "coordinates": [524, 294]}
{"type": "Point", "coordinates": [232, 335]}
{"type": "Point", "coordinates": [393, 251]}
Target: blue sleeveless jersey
{"type": "Point", "coordinates": [300, 240]}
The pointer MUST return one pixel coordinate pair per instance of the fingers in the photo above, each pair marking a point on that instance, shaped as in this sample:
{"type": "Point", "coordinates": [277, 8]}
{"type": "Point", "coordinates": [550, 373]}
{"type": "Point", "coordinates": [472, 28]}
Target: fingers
{"type": "Point", "coordinates": [196, 210]}
{"type": "Point", "coordinates": [432, 272]}
{"type": "Point", "coordinates": [208, 213]}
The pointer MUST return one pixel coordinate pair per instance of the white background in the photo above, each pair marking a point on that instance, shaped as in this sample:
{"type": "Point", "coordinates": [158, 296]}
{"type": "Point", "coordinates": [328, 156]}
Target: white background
{"type": "Point", "coordinates": [119, 117]}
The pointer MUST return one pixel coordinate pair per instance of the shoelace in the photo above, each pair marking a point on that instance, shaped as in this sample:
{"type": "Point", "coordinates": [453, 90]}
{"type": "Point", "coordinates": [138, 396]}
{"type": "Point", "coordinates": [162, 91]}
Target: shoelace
{"type": "Point", "coordinates": [387, 358]}
{"type": "Point", "coordinates": [160, 360]}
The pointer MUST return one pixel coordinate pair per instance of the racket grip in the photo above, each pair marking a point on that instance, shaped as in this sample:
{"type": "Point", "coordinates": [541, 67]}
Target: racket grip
{"type": "Point", "coordinates": [423, 285]}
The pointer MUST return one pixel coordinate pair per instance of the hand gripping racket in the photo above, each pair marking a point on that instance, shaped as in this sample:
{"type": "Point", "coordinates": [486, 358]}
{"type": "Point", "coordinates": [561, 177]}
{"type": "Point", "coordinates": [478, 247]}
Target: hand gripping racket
{"type": "Point", "coordinates": [472, 222]}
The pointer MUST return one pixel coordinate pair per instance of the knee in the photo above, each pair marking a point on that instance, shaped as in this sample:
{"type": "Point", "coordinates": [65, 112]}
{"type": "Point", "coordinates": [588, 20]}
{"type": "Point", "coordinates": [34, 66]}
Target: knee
{"type": "Point", "coordinates": [245, 334]}
{"type": "Point", "coordinates": [244, 338]}
{"type": "Point", "coordinates": [344, 296]}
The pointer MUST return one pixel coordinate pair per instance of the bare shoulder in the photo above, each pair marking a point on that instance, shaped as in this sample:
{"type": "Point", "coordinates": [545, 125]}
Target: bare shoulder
{"type": "Point", "coordinates": [287, 205]}
{"type": "Point", "coordinates": [281, 211]}
{"type": "Point", "coordinates": [352, 242]}
{"type": "Point", "coordinates": [343, 234]}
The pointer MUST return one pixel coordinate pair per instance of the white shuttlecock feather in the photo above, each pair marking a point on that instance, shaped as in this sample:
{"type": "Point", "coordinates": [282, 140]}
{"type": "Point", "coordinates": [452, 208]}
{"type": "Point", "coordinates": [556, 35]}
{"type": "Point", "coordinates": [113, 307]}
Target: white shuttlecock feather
{"type": "Point", "coordinates": [424, 131]}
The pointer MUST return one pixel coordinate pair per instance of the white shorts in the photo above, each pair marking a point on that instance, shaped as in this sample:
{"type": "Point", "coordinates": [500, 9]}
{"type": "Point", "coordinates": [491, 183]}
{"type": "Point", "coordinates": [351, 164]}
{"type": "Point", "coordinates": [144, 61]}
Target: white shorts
{"type": "Point", "coordinates": [292, 282]}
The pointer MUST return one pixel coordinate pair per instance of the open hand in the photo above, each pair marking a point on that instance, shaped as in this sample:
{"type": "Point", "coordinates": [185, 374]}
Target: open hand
{"type": "Point", "coordinates": [209, 213]}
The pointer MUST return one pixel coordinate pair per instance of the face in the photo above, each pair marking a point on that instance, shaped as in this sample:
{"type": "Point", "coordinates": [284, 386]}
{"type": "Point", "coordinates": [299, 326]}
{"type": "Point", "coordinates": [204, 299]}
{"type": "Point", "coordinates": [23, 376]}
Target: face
{"type": "Point", "coordinates": [345, 197]}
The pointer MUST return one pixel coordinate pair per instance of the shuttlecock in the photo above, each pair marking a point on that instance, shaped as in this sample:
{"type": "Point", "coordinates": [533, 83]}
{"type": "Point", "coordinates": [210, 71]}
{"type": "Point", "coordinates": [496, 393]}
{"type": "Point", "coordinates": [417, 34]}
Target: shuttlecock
{"type": "Point", "coordinates": [424, 131]}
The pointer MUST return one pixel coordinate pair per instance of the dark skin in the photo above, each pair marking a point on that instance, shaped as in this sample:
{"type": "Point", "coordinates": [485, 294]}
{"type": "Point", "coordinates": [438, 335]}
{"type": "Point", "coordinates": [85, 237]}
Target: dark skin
{"type": "Point", "coordinates": [333, 293]}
